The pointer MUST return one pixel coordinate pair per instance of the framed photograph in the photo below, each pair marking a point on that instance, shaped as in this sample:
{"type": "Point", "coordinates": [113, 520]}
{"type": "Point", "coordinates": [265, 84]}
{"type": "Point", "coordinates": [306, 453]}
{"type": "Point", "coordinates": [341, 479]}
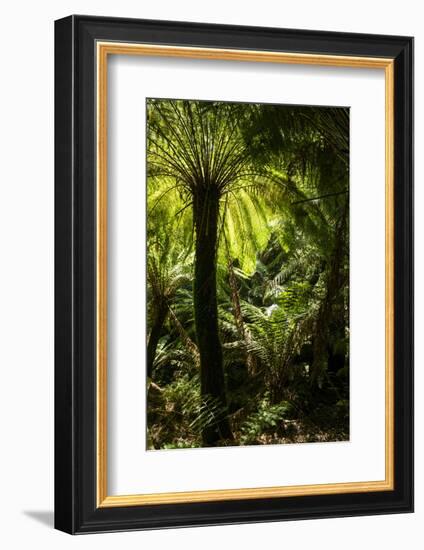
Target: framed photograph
{"type": "Point", "coordinates": [234, 274]}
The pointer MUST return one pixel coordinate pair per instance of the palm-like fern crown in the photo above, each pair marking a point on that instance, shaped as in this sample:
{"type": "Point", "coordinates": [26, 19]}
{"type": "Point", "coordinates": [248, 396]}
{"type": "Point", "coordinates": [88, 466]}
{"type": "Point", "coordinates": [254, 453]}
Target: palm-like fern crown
{"type": "Point", "coordinates": [197, 143]}
{"type": "Point", "coordinates": [264, 161]}
{"type": "Point", "coordinates": [168, 269]}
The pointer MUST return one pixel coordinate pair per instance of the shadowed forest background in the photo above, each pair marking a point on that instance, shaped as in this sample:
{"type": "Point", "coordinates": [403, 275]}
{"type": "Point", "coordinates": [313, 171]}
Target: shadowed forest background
{"type": "Point", "coordinates": [247, 274]}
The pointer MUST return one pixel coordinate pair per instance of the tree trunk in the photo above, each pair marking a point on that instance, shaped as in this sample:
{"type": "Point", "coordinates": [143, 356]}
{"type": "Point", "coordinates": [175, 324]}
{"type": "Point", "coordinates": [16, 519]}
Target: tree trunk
{"type": "Point", "coordinates": [335, 282]}
{"type": "Point", "coordinates": [158, 321]}
{"type": "Point", "coordinates": [206, 214]}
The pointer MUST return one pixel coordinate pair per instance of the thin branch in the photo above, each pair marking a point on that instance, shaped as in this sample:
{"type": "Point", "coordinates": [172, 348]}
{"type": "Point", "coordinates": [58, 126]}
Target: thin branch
{"type": "Point", "coordinates": [321, 197]}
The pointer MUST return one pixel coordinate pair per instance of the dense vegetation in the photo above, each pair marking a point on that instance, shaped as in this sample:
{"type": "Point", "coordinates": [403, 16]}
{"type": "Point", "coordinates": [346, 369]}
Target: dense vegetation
{"type": "Point", "coordinates": [248, 274]}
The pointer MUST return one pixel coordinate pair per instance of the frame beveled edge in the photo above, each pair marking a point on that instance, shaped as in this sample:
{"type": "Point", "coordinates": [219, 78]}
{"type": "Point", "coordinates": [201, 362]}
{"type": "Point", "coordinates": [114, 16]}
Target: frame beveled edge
{"type": "Point", "coordinates": [105, 48]}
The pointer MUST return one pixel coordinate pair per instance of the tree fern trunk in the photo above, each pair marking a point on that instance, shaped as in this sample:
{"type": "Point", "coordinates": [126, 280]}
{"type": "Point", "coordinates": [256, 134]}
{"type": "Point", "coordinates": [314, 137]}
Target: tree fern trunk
{"type": "Point", "coordinates": [154, 337]}
{"type": "Point", "coordinates": [206, 214]}
{"type": "Point", "coordinates": [335, 283]}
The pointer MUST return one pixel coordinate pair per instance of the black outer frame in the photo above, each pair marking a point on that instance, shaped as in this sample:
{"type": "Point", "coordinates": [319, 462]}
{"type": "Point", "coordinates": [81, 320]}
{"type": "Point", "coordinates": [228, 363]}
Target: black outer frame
{"type": "Point", "coordinates": [75, 275]}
